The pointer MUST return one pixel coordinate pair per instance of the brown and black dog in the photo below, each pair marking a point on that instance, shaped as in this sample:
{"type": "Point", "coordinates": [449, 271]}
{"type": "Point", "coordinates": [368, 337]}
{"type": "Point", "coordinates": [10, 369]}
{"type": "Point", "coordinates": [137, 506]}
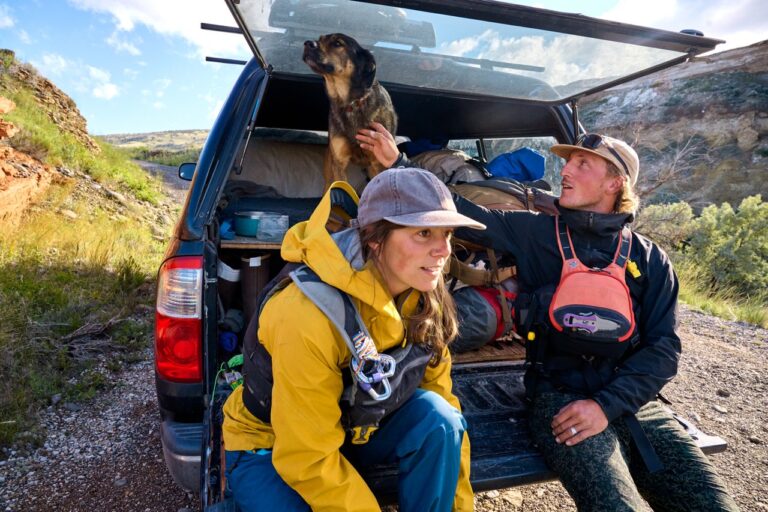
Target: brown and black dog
{"type": "Point", "coordinates": [356, 97]}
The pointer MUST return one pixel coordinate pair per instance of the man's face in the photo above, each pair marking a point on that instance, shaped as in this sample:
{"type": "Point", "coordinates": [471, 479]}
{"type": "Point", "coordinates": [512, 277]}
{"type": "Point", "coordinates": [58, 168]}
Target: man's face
{"type": "Point", "coordinates": [587, 184]}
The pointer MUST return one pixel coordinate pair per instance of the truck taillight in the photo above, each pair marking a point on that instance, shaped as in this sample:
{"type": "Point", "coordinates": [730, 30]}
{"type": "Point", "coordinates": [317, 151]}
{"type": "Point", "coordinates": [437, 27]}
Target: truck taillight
{"type": "Point", "coordinates": [178, 319]}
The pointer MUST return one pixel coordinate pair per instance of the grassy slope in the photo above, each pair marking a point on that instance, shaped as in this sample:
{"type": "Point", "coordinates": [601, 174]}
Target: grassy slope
{"type": "Point", "coordinates": [90, 271]}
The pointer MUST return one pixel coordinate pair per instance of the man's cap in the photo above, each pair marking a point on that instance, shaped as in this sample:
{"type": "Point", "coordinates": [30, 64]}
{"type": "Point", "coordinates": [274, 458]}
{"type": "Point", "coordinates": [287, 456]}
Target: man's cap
{"type": "Point", "coordinates": [616, 151]}
{"type": "Point", "coordinates": [410, 197]}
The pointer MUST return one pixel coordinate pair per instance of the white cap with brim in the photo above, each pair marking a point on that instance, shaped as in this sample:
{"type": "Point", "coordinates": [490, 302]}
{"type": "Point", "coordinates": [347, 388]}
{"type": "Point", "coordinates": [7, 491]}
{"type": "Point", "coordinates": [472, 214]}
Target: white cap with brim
{"type": "Point", "coordinates": [616, 151]}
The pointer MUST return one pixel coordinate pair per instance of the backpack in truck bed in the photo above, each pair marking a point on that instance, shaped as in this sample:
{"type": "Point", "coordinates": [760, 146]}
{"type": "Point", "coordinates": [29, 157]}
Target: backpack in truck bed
{"type": "Point", "coordinates": [484, 284]}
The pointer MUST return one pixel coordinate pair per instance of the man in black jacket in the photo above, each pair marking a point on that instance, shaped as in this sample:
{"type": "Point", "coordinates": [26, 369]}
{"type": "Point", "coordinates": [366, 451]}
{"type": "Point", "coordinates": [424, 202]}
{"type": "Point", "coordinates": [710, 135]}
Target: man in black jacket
{"type": "Point", "coordinates": [596, 418]}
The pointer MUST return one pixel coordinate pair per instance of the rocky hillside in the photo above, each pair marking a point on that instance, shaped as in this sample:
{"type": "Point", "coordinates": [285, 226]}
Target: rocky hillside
{"type": "Point", "coordinates": [701, 127]}
{"type": "Point", "coordinates": [23, 177]}
{"type": "Point", "coordinates": [59, 107]}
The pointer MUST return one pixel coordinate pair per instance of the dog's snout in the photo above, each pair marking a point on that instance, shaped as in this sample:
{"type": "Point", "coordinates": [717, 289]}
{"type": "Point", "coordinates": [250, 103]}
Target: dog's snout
{"type": "Point", "coordinates": [310, 44]}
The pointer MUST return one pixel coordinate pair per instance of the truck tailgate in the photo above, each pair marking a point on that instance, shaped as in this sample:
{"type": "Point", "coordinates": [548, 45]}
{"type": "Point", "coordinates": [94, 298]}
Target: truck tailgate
{"type": "Point", "coordinates": [492, 399]}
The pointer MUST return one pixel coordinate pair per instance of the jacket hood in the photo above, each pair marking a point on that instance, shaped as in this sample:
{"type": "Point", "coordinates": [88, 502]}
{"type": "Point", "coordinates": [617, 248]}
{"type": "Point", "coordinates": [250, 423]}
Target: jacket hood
{"type": "Point", "coordinates": [593, 223]}
{"type": "Point", "coordinates": [337, 259]}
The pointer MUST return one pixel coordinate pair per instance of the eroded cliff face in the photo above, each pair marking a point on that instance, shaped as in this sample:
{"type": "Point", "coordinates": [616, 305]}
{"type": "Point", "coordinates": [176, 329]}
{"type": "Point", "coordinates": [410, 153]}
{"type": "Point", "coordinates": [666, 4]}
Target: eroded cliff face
{"type": "Point", "coordinates": [701, 128]}
{"type": "Point", "coordinates": [23, 179]}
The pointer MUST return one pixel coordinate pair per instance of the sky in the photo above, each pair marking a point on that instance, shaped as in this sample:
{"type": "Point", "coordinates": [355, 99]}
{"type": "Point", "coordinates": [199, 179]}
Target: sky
{"type": "Point", "coordinates": [136, 66]}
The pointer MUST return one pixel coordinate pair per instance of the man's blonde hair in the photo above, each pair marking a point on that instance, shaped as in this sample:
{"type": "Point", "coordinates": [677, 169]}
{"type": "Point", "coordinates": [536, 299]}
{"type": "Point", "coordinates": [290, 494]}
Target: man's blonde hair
{"type": "Point", "coordinates": [626, 200]}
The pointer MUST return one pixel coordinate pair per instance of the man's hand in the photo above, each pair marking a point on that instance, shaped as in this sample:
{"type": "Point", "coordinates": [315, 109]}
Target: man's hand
{"type": "Point", "coordinates": [380, 142]}
{"type": "Point", "coordinates": [578, 421]}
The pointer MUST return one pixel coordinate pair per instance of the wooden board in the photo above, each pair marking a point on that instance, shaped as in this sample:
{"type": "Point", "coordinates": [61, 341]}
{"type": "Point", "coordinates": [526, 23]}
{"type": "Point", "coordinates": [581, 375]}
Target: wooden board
{"type": "Point", "coordinates": [499, 350]}
{"type": "Point", "coordinates": [248, 242]}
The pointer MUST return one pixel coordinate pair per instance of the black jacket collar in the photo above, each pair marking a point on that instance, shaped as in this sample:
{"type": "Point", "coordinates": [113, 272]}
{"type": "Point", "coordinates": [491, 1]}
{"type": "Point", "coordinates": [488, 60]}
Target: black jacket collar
{"type": "Point", "coordinates": [592, 223]}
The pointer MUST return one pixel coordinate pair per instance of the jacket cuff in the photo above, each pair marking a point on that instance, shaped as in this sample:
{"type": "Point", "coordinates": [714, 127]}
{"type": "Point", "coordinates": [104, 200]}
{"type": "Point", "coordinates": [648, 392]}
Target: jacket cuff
{"type": "Point", "coordinates": [610, 408]}
{"type": "Point", "coordinates": [400, 160]}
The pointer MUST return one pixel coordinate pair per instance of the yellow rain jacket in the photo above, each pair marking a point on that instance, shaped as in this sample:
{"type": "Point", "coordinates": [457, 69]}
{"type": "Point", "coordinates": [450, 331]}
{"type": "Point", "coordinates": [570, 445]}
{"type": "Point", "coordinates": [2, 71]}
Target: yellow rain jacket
{"type": "Point", "coordinates": [308, 358]}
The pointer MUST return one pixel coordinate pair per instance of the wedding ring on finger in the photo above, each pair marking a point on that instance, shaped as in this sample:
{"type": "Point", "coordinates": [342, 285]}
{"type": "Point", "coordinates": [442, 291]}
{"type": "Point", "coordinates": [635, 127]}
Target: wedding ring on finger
{"type": "Point", "coordinates": [574, 431]}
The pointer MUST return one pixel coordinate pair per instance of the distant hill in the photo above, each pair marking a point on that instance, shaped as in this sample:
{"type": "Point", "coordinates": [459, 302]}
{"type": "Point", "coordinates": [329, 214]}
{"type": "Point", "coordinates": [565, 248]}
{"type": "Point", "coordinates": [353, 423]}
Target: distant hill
{"type": "Point", "coordinates": [178, 140]}
{"type": "Point", "coordinates": [701, 128]}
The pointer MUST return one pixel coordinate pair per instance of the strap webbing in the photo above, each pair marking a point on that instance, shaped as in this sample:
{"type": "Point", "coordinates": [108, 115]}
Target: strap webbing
{"type": "Point", "coordinates": [643, 445]}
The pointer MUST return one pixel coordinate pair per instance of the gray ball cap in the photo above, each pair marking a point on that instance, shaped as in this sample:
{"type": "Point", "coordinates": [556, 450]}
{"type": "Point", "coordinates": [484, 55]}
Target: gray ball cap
{"type": "Point", "coordinates": [410, 197]}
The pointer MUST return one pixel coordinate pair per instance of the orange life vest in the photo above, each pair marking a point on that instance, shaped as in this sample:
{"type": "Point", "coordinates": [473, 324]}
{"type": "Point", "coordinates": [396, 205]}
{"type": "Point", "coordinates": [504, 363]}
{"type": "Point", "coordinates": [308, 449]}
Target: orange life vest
{"type": "Point", "coordinates": [593, 305]}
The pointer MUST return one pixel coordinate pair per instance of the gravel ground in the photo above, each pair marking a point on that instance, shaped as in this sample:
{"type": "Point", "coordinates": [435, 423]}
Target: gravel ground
{"type": "Point", "coordinates": [106, 454]}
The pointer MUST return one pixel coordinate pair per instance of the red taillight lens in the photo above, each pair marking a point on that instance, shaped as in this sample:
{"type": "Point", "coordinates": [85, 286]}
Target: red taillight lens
{"type": "Point", "coordinates": [178, 319]}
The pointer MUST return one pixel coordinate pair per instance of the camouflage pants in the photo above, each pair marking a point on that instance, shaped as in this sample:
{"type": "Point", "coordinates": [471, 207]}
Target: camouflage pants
{"type": "Point", "coordinates": [605, 472]}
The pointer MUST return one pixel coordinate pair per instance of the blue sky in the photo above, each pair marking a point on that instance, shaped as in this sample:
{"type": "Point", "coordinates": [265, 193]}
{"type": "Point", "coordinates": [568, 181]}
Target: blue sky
{"type": "Point", "coordinates": [137, 66]}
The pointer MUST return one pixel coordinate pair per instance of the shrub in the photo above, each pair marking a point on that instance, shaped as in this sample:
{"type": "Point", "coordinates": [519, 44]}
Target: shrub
{"type": "Point", "coordinates": [732, 245]}
{"type": "Point", "coordinates": [669, 225]}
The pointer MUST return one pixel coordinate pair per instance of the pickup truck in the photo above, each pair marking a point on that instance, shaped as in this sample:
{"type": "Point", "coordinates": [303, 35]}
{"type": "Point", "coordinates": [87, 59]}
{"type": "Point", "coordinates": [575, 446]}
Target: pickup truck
{"type": "Point", "coordinates": [483, 77]}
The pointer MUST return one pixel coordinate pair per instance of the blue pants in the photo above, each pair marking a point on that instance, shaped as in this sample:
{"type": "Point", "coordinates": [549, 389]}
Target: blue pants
{"type": "Point", "coordinates": [423, 437]}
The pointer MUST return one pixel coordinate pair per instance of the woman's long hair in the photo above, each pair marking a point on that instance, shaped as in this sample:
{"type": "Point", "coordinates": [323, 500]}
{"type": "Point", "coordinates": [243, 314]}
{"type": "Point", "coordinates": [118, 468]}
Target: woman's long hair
{"type": "Point", "coordinates": [435, 324]}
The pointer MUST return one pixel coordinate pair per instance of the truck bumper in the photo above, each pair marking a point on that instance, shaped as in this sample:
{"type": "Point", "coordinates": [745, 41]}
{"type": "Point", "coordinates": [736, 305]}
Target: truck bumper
{"type": "Point", "coordinates": [182, 446]}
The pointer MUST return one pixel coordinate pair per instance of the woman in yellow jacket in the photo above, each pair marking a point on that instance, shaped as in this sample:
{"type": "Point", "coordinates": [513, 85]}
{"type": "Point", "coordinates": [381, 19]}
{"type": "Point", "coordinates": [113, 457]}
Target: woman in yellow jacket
{"type": "Point", "coordinates": [390, 264]}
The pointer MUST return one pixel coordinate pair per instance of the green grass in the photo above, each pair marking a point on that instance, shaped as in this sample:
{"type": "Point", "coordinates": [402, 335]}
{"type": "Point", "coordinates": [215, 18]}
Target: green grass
{"type": "Point", "coordinates": [58, 275]}
{"type": "Point", "coordinates": [93, 272]}
{"type": "Point", "coordinates": [730, 304]}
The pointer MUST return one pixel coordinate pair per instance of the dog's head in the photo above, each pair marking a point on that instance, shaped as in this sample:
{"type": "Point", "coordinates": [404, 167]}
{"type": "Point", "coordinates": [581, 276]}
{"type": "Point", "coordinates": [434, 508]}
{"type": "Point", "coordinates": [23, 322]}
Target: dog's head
{"type": "Point", "coordinates": [340, 56]}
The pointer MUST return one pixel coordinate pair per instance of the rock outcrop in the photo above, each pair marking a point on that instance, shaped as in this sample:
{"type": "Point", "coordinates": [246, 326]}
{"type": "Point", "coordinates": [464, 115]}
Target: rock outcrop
{"type": "Point", "coordinates": [701, 128]}
{"type": "Point", "coordinates": [22, 178]}
{"type": "Point", "coordinates": [59, 107]}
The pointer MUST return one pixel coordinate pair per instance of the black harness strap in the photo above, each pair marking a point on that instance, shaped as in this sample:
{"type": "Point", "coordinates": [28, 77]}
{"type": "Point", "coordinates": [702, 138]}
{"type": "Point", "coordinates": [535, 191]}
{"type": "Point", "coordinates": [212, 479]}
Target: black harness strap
{"type": "Point", "coordinates": [644, 447]}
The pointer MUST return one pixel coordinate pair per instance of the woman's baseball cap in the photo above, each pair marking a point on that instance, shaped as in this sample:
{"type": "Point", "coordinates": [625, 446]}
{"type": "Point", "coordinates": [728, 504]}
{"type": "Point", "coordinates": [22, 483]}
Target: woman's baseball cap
{"type": "Point", "coordinates": [410, 197]}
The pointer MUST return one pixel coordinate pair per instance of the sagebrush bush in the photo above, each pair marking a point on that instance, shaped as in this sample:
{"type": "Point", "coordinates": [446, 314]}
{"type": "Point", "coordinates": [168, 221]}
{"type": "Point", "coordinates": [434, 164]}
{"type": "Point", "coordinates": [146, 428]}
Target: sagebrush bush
{"type": "Point", "coordinates": [721, 257]}
{"type": "Point", "coordinates": [669, 225]}
{"type": "Point", "coordinates": [732, 245]}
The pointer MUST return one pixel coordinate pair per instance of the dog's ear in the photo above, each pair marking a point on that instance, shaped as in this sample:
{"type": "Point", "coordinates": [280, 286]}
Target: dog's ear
{"type": "Point", "coordinates": [368, 67]}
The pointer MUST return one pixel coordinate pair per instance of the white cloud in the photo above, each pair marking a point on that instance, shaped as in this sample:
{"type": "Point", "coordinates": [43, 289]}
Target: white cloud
{"type": "Point", "coordinates": [53, 64]}
{"type": "Point", "coordinates": [130, 73]}
{"type": "Point", "coordinates": [461, 46]}
{"type": "Point", "coordinates": [565, 58]}
{"type": "Point", "coordinates": [213, 113]}
{"type": "Point", "coordinates": [105, 91]}
{"type": "Point", "coordinates": [98, 74]}
{"type": "Point", "coordinates": [24, 36]}
{"type": "Point", "coordinates": [6, 20]}
{"type": "Point", "coordinates": [739, 22]}
{"type": "Point", "coordinates": [104, 88]}
{"type": "Point", "coordinates": [121, 45]}
{"type": "Point", "coordinates": [180, 18]}
{"type": "Point", "coordinates": [159, 105]}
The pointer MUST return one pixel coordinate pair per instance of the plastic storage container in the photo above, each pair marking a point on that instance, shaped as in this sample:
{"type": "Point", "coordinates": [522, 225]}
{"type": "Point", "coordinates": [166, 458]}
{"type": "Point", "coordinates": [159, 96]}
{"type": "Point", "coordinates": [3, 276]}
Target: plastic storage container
{"type": "Point", "coordinates": [272, 227]}
{"type": "Point", "coordinates": [247, 223]}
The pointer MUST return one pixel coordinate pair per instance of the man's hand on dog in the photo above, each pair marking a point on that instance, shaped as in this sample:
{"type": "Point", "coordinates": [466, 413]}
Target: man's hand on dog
{"type": "Point", "coordinates": [380, 142]}
{"type": "Point", "coordinates": [578, 421]}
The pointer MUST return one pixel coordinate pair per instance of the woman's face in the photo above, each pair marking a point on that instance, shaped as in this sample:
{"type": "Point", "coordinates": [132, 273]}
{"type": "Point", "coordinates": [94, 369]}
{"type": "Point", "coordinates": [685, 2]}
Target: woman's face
{"type": "Point", "coordinates": [413, 257]}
